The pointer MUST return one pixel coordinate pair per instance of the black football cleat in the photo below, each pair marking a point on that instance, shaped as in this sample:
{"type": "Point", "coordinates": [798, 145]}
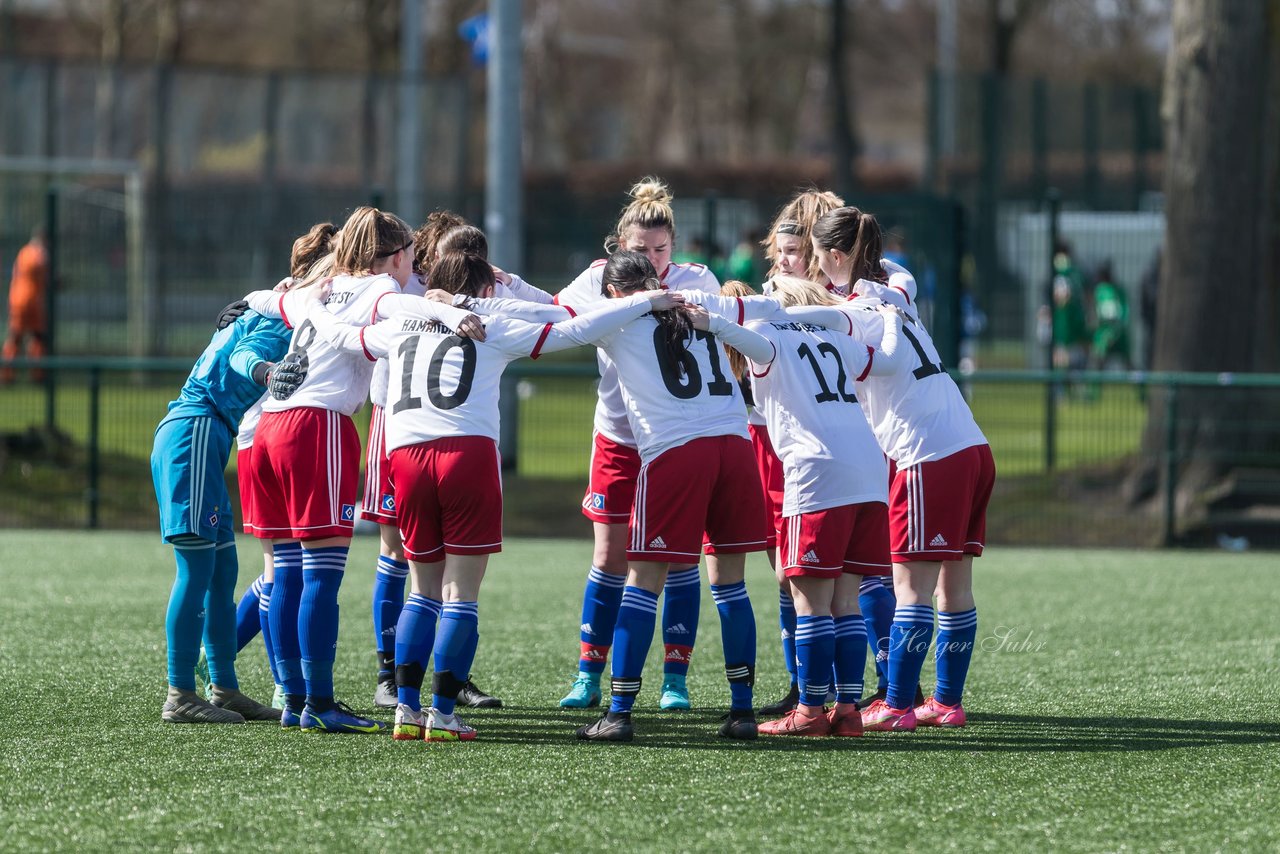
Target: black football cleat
{"type": "Point", "coordinates": [474, 698]}
{"type": "Point", "coordinates": [740, 724]}
{"type": "Point", "coordinates": [784, 705]}
{"type": "Point", "coordinates": [610, 727]}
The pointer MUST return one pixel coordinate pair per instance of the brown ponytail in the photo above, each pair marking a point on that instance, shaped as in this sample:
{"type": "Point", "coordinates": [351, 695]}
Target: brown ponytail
{"type": "Point", "coordinates": [426, 238]}
{"type": "Point", "coordinates": [461, 273]}
{"type": "Point", "coordinates": [310, 248]}
{"type": "Point", "coordinates": [857, 234]}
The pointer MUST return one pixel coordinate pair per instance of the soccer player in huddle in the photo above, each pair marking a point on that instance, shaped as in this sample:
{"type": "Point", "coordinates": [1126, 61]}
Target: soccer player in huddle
{"type": "Point", "coordinates": [251, 613]}
{"type": "Point", "coordinates": [442, 434]}
{"type": "Point", "coordinates": [191, 449]}
{"type": "Point", "coordinates": [646, 225]}
{"type": "Point", "coordinates": [696, 485]}
{"type": "Point", "coordinates": [443, 232]}
{"type": "Point", "coordinates": [835, 527]}
{"type": "Point", "coordinates": [790, 250]}
{"type": "Point", "coordinates": [306, 469]}
{"type": "Point", "coordinates": [941, 477]}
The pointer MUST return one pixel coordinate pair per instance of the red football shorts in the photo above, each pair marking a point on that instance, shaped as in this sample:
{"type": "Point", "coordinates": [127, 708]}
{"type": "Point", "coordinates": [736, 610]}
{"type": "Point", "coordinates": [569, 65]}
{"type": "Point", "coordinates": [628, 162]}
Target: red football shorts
{"type": "Point", "coordinates": [244, 477]}
{"type": "Point", "coordinates": [705, 485]}
{"type": "Point", "coordinates": [612, 487]}
{"type": "Point", "coordinates": [853, 538]}
{"type": "Point", "coordinates": [305, 474]}
{"type": "Point", "coordinates": [938, 509]}
{"type": "Point", "coordinates": [450, 497]}
{"type": "Point", "coordinates": [378, 503]}
{"type": "Point", "coordinates": [770, 469]}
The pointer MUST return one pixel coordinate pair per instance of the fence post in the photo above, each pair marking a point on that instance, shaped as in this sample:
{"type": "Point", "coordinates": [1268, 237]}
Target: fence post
{"type": "Point", "coordinates": [1169, 517]}
{"type": "Point", "coordinates": [933, 139]}
{"type": "Point", "coordinates": [95, 459]}
{"type": "Point", "coordinates": [709, 202]}
{"type": "Point", "coordinates": [1092, 144]}
{"type": "Point", "coordinates": [1139, 146]}
{"type": "Point", "coordinates": [149, 335]}
{"type": "Point", "coordinates": [509, 421]}
{"type": "Point", "coordinates": [268, 192]}
{"type": "Point", "coordinates": [51, 304]}
{"type": "Point", "coordinates": [1039, 137]}
{"type": "Point", "coordinates": [1052, 386]}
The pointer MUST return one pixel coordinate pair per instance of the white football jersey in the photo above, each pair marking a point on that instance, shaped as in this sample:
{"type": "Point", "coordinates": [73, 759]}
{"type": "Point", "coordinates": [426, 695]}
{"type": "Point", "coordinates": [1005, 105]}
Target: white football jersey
{"type": "Point", "coordinates": [249, 424]}
{"type": "Point", "coordinates": [446, 385]}
{"type": "Point", "coordinates": [918, 413]}
{"type": "Point", "coordinates": [336, 380]}
{"type": "Point", "coordinates": [611, 410]}
{"type": "Point", "coordinates": [518, 288]}
{"type": "Point", "coordinates": [670, 402]}
{"type": "Point", "coordinates": [808, 395]}
{"type": "Point", "coordinates": [415, 287]}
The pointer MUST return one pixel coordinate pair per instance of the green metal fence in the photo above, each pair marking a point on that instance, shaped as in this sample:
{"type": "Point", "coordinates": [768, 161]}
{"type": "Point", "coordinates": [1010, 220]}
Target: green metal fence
{"type": "Point", "coordinates": [75, 453]}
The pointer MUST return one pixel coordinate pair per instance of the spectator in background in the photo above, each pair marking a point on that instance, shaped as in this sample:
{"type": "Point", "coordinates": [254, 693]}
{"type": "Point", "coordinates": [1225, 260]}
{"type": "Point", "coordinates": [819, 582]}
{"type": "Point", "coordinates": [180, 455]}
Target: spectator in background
{"type": "Point", "coordinates": [1070, 326]}
{"type": "Point", "coordinates": [741, 265]}
{"type": "Point", "coordinates": [694, 252]}
{"type": "Point", "coordinates": [26, 304]}
{"type": "Point", "coordinates": [1111, 322]}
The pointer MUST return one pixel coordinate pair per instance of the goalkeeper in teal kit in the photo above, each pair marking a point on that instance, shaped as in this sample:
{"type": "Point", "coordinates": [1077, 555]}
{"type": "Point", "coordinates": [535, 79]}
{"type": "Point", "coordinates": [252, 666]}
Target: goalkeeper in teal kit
{"type": "Point", "coordinates": [192, 445]}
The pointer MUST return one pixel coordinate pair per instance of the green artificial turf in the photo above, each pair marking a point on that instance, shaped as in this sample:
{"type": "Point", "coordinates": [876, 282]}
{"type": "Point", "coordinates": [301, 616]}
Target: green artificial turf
{"type": "Point", "coordinates": [1117, 701]}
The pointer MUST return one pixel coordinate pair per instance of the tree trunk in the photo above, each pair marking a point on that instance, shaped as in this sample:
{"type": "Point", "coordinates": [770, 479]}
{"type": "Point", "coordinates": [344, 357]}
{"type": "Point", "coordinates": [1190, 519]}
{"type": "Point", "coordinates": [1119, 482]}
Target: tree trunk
{"type": "Point", "coordinates": [108, 79]}
{"type": "Point", "coordinates": [1216, 310]}
{"type": "Point", "coordinates": [168, 31]}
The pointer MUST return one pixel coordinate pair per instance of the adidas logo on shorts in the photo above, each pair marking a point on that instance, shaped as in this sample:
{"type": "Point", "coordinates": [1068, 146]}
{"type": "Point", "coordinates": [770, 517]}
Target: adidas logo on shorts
{"type": "Point", "coordinates": [809, 557]}
{"type": "Point", "coordinates": [937, 541]}
{"type": "Point", "coordinates": [657, 543]}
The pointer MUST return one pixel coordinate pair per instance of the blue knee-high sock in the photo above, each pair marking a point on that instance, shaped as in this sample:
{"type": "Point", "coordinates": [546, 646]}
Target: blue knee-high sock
{"type": "Point", "coordinates": [220, 617]}
{"type": "Point", "coordinates": [637, 618]}
{"type": "Point", "coordinates": [600, 602]}
{"type": "Point", "coordinates": [184, 619]}
{"type": "Point", "coordinates": [908, 644]}
{"type": "Point", "coordinates": [815, 650]}
{"type": "Point", "coordinates": [247, 623]}
{"type": "Point", "coordinates": [264, 621]}
{"type": "Point", "coordinates": [318, 620]}
{"type": "Point", "coordinates": [738, 638]}
{"type": "Point", "coordinates": [286, 599]}
{"type": "Point", "coordinates": [956, 633]}
{"type": "Point", "coordinates": [851, 657]}
{"type": "Point", "coordinates": [388, 599]}
{"type": "Point", "coordinates": [787, 621]}
{"type": "Point", "coordinates": [877, 604]}
{"type": "Point", "coordinates": [682, 599]}
{"type": "Point", "coordinates": [415, 637]}
{"type": "Point", "coordinates": [455, 648]}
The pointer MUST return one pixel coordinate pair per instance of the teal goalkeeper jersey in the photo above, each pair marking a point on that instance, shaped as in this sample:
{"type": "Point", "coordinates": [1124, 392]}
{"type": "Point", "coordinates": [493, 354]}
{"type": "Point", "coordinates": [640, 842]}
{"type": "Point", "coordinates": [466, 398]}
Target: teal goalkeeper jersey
{"type": "Point", "coordinates": [221, 383]}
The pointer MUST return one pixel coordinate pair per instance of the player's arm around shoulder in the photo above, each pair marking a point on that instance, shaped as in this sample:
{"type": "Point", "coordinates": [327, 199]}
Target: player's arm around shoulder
{"type": "Point", "coordinates": [695, 277]}
{"type": "Point", "coordinates": [585, 289]}
{"type": "Point", "coordinates": [749, 343]}
{"type": "Point", "coordinates": [598, 327]}
{"type": "Point", "coordinates": [762, 328]}
{"type": "Point", "coordinates": [885, 356]}
{"type": "Point", "coordinates": [265, 341]}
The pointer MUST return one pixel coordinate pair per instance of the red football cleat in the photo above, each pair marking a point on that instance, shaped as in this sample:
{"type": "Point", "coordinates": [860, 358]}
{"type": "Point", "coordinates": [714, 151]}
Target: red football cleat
{"type": "Point", "coordinates": [933, 713]}
{"type": "Point", "coordinates": [798, 723]}
{"type": "Point", "coordinates": [881, 717]}
{"type": "Point", "coordinates": [845, 724]}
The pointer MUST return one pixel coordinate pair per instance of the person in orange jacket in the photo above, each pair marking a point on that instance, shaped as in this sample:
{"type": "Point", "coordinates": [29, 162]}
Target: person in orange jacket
{"type": "Point", "coordinates": [27, 304]}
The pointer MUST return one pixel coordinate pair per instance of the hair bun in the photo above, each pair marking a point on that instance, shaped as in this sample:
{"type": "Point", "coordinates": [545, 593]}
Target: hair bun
{"type": "Point", "coordinates": [651, 190]}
